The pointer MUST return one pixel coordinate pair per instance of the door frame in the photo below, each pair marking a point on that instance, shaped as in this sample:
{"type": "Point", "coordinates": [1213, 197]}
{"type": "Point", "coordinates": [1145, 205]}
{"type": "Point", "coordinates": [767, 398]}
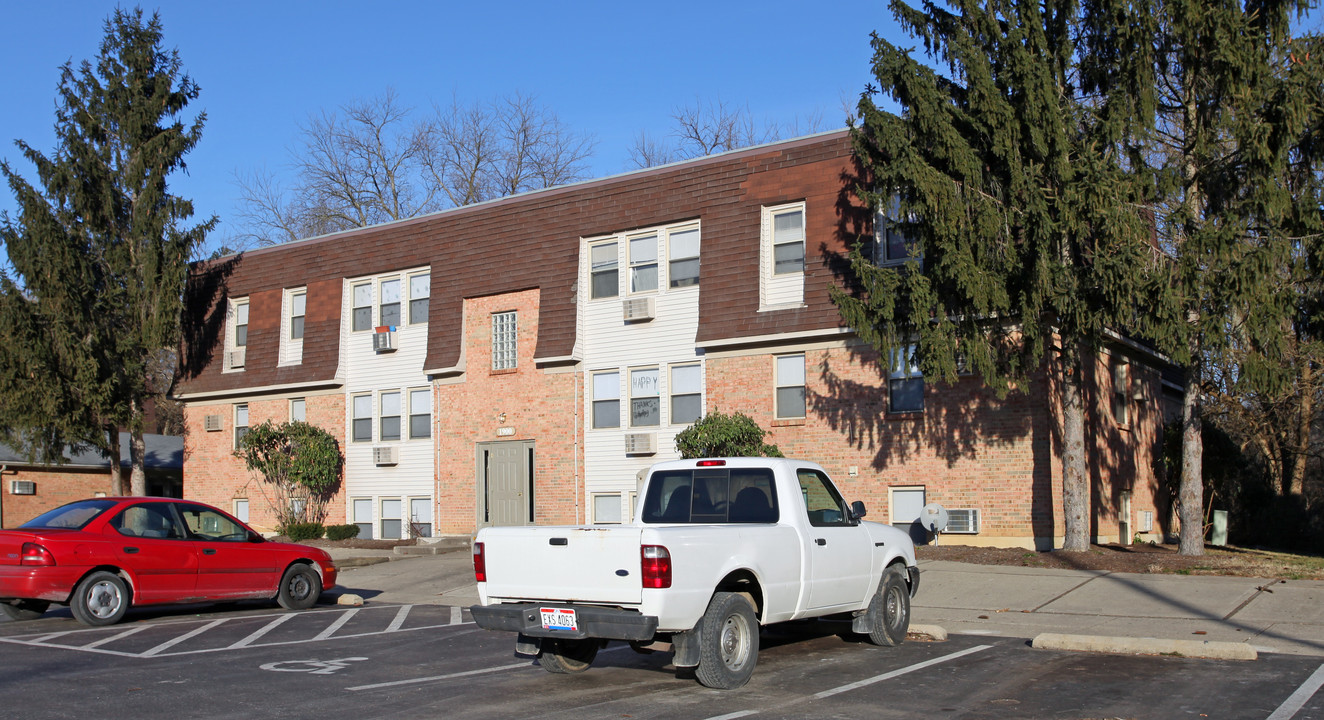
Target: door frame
{"type": "Point", "coordinates": [480, 479]}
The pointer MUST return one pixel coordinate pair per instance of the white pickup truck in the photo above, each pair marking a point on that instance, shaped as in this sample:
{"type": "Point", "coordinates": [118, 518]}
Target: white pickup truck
{"type": "Point", "coordinates": [719, 547]}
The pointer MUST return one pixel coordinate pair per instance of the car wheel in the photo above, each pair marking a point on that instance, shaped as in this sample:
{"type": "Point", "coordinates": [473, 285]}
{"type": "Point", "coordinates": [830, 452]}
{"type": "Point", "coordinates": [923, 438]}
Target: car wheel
{"type": "Point", "coordinates": [299, 588]}
{"type": "Point", "coordinates": [728, 642]}
{"type": "Point", "coordinates": [23, 609]}
{"type": "Point", "coordinates": [101, 598]}
{"type": "Point", "coordinates": [567, 656]}
{"type": "Point", "coordinates": [889, 609]}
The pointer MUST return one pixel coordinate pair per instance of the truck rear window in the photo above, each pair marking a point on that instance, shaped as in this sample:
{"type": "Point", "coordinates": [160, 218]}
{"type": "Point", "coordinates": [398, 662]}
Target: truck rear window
{"type": "Point", "coordinates": [716, 495]}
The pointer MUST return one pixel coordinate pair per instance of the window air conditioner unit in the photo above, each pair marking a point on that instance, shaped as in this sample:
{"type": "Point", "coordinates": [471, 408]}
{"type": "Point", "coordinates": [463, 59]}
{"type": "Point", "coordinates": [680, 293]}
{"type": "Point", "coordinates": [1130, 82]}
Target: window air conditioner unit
{"type": "Point", "coordinates": [383, 339]}
{"type": "Point", "coordinates": [642, 308]}
{"type": "Point", "coordinates": [385, 455]}
{"type": "Point", "coordinates": [212, 423]}
{"type": "Point", "coordinates": [963, 522]}
{"type": "Point", "coordinates": [22, 487]}
{"type": "Point", "coordinates": [235, 358]}
{"type": "Point", "coordinates": [640, 443]}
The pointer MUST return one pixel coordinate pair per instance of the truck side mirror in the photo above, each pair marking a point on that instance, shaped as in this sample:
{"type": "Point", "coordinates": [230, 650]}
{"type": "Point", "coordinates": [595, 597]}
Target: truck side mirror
{"type": "Point", "coordinates": [857, 510]}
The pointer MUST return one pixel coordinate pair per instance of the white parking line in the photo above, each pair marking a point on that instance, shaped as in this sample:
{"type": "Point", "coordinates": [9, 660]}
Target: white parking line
{"type": "Point", "coordinates": [399, 620]}
{"type": "Point", "coordinates": [192, 633]}
{"type": "Point", "coordinates": [257, 634]}
{"type": "Point", "coordinates": [466, 673]}
{"type": "Point", "coordinates": [734, 715]}
{"type": "Point", "coordinates": [117, 636]}
{"type": "Point", "coordinates": [339, 623]}
{"type": "Point", "coordinates": [1298, 699]}
{"type": "Point", "coordinates": [902, 671]}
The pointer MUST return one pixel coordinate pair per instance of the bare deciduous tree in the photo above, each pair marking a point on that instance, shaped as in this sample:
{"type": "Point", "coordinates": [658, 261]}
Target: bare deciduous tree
{"type": "Point", "coordinates": [714, 126]}
{"type": "Point", "coordinates": [374, 162]}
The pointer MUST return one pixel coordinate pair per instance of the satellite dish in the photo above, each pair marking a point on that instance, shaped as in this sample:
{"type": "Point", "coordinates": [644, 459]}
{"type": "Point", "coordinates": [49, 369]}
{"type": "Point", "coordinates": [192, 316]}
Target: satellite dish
{"type": "Point", "coordinates": [933, 517]}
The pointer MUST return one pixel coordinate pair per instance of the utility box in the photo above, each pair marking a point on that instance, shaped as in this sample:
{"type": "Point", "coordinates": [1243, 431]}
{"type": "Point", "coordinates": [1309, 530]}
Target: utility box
{"type": "Point", "coordinates": [1218, 534]}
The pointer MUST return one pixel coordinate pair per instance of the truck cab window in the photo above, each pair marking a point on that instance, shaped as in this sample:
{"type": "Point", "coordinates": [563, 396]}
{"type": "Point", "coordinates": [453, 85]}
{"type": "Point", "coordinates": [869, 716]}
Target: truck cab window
{"type": "Point", "coordinates": [824, 505]}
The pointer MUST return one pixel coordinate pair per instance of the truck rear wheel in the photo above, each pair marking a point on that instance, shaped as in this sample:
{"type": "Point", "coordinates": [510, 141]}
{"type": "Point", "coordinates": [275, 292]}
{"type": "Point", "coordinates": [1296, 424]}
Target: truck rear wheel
{"type": "Point", "coordinates": [728, 642]}
{"type": "Point", "coordinates": [889, 610]}
{"type": "Point", "coordinates": [567, 656]}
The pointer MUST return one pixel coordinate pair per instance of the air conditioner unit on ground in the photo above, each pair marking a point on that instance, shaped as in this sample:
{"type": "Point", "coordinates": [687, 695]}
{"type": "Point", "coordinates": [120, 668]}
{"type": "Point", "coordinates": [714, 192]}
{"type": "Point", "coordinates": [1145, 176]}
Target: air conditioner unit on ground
{"type": "Point", "coordinates": [212, 423]}
{"type": "Point", "coordinates": [235, 358]}
{"type": "Point", "coordinates": [642, 308]}
{"type": "Point", "coordinates": [22, 487]}
{"type": "Point", "coordinates": [383, 339]}
{"type": "Point", "coordinates": [963, 522]}
{"type": "Point", "coordinates": [640, 443]}
{"type": "Point", "coordinates": [385, 455]}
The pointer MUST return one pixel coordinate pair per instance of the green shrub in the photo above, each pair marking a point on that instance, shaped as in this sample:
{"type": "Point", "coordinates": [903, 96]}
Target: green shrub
{"type": "Point", "coordinates": [303, 531]}
{"type": "Point", "coordinates": [341, 532]}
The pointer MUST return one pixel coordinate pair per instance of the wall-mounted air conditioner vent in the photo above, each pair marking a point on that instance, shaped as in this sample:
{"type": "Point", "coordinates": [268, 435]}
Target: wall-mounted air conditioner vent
{"type": "Point", "coordinates": [640, 443]}
{"type": "Point", "coordinates": [385, 455]}
{"type": "Point", "coordinates": [965, 522]}
{"type": "Point", "coordinates": [383, 339]}
{"type": "Point", "coordinates": [235, 358]}
{"type": "Point", "coordinates": [212, 423]}
{"type": "Point", "coordinates": [22, 487]}
{"type": "Point", "coordinates": [641, 308]}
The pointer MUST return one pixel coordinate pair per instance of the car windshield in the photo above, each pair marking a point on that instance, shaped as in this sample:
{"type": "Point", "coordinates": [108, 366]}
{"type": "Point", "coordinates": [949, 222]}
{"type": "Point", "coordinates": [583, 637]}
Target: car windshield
{"type": "Point", "coordinates": [74, 516]}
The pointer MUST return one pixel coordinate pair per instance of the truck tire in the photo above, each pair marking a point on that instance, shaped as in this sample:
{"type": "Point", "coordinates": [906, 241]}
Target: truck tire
{"type": "Point", "coordinates": [889, 609]}
{"type": "Point", "coordinates": [565, 657]}
{"type": "Point", "coordinates": [728, 642]}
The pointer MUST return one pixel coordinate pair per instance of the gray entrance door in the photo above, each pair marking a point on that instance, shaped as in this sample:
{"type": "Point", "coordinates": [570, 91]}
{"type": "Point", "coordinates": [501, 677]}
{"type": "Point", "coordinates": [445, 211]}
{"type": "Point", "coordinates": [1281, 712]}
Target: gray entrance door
{"type": "Point", "coordinates": [505, 483]}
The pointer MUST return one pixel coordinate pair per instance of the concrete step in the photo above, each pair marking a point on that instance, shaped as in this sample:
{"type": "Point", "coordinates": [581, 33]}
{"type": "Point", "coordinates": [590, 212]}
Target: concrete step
{"type": "Point", "coordinates": [436, 545]}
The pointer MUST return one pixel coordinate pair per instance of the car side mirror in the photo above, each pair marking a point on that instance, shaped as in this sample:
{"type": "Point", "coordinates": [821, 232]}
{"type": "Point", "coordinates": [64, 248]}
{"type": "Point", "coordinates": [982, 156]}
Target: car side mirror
{"type": "Point", "coordinates": [857, 510]}
{"type": "Point", "coordinates": [255, 537]}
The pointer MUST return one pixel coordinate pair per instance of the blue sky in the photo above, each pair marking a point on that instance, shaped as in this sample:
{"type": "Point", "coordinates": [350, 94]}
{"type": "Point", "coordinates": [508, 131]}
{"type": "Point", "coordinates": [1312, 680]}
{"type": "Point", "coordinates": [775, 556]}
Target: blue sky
{"type": "Point", "coordinates": [610, 69]}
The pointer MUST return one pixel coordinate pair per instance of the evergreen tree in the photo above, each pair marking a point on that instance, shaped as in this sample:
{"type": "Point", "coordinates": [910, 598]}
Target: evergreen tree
{"type": "Point", "coordinates": [1025, 240]}
{"type": "Point", "coordinates": [99, 253]}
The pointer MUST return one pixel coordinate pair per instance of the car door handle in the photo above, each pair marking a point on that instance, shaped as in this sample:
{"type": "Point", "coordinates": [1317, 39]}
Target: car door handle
{"type": "Point", "coordinates": [130, 550]}
{"type": "Point", "coordinates": [209, 551]}
{"type": "Point", "coordinates": [821, 541]}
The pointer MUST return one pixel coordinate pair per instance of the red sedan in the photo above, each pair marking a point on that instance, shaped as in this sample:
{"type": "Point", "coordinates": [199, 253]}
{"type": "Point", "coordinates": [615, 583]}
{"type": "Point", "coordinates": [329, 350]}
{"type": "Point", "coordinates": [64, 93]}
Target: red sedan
{"type": "Point", "coordinates": [102, 555]}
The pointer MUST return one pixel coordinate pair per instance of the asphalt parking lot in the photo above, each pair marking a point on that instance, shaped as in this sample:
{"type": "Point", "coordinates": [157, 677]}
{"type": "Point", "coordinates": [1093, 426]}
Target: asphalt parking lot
{"type": "Point", "coordinates": [428, 660]}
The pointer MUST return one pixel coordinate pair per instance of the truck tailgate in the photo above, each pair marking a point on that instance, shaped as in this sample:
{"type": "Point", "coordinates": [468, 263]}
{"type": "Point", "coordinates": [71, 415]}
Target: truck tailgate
{"type": "Point", "coordinates": [586, 564]}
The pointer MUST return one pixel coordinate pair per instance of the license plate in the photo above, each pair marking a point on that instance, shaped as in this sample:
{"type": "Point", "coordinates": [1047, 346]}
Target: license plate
{"type": "Point", "coordinates": [559, 619]}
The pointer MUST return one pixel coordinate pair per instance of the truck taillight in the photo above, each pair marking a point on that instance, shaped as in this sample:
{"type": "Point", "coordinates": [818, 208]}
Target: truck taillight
{"type": "Point", "coordinates": [480, 564]}
{"type": "Point", "coordinates": [655, 566]}
{"type": "Point", "coordinates": [34, 554]}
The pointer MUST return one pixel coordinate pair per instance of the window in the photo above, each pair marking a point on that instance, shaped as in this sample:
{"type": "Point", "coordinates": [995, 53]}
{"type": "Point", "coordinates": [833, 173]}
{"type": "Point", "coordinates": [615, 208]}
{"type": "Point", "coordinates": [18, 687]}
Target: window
{"type": "Point", "coordinates": [645, 403]}
{"type": "Point", "coordinates": [907, 504]}
{"type": "Point", "coordinates": [362, 307]}
{"type": "Point", "coordinates": [420, 288]}
{"type": "Point", "coordinates": [152, 520]}
{"type": "Point", "coordinates": [211, 525]}
{"type": "Point", "coordinates": [891, 245]}
{"type": "Point", "coordinates": [905, 384]}
{"type": "Point", "coordinates": [240, 423]}
{"type": "Point", "coordinates": [788, 242]}
{"type": "Point", "coordinates": [822, 502]}
{"type": "Point", "coordinates": [711, 495]}
{"type": "Point", "coordinates": [298, 410]}
{"type": "Point", "coordinates": [503, 341]}
{"type": "Point", "coordinates": [391, 519]}
{"type": "Point", "coordinates": [390, 420]}
{"type": "Point", "coordinates": [389, 312]}
{"type": "Point", "coordinates": [1121, 392]}
{"type": "Point", "coordinates": [420, 414]}
{"type": "Point", "coordinates": [606, 508]}
{"type": "Point", "coordinates": [298, 304]}
{"type": "Point", "coordinates": [362, 421]}
{"type": "Point", "coordinates": [363, 516]}
{"type": "Point", "coordinates": [683, 258]}
{"type": "Point", "coordinates": [241, 509]}
{"type": "Point", "coordinates": [686, 393]}
{"type": "Point", "coordinates": [607, 400]}
{"type": "Point", "coordinates": [420, 517]}
{"type": "Point", "coordinates": [790, 386]}
{"type": "Point", "coordinates": [603, 276]}
{"type": "Point", "coordinates": [643, 264]}
{"type": "Point", "coordinates": [241, 324]}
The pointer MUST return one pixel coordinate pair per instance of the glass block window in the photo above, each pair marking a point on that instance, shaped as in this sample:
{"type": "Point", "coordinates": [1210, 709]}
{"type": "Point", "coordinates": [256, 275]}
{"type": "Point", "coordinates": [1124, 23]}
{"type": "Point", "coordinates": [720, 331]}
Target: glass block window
{"type": "Point", "coordinates": [504, 340]}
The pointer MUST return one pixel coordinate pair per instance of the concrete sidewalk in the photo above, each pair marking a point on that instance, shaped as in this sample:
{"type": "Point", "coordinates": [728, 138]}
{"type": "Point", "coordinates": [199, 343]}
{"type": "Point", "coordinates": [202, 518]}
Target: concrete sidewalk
{"type": "Point", "coordinates": [1280, 616]}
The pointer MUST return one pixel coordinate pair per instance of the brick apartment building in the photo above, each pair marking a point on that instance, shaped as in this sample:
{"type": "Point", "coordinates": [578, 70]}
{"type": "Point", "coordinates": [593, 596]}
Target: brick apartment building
{"type": "Point", "coordinates": [522, 360]}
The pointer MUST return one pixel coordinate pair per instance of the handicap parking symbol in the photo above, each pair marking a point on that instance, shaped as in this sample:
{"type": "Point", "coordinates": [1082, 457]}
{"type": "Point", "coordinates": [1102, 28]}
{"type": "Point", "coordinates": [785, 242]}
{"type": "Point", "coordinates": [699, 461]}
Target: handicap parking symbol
{"type": "Point", "coordinates": [312, 667]}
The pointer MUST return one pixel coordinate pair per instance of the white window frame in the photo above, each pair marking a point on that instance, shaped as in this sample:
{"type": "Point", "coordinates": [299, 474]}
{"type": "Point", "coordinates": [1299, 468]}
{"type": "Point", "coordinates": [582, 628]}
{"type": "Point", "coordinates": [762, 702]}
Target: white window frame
{"type": "Point", "coordinates": [382, 282]}
{"type": "Point", "coordinates": [298, 314]}
{"type": "Point", "coordinates": [301, 413]}
{"type": "Point", "coordinates": [594, 400]}
{"type": "Point", "coordinates": [241, 413]}
{"type": "Point", "coordinates": [241, 311]}
{"type": "Point", "coordinates": [781, 382]}
{"type": "Point", "coordinates": [644, 262]}
{"type": "Point", "coordinates": [419, 296]}
{"type": "Point", "coordinates": [673, 259]}
{"type": "Point", "coordinates": [672, 393]}
{"type": "Point", "coordinates": [614, 269]}
{"type": "Point", "coordinates": [1121, 394]}
{"type": "Point", "coordinates": [235, 509]}
{"type": "Point", "coordinates": [414, 413]}
{"type": "Point", "coordinates": [883, 233]}
{"type": "Point", "coordinates": [355, 519]}
{"type": "Point", "coordinates": [382, 417]}
{"type": "Point", "coordinates": [355, 417]}
{"type": "Point", "coordinates": [505, 340]}
{"type": "Point", "coordinates": [432, 526]}
{"type": "Point", "coordinates": [355, 307]}
{"type": "Point", "coordinates": [779, 291]}
{"type": "Point", "coordinates": [620, 511]}
{"type": "Point", "coordinates": [891, 502]}
{"type": "Point", "coordinates": [655, 396]}
{"type": "Point", "coordinates": [399, 517]}
{"type": "Point", "coordinates": [902, 369]}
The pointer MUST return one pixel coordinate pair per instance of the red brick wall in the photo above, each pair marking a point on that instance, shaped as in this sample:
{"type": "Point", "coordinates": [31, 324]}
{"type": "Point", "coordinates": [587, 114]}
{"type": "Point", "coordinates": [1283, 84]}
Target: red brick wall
{"type": "Point", "coordinates": [54, 488]}
{"type": "Point", "coordinates": [213, 475]}
{"type": "Point", "coordinates": [538, 404]}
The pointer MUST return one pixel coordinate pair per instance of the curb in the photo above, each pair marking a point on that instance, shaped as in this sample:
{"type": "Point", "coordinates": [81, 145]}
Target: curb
{"type": "Point", "coordinates": [352, 562]}
{"type": "Point", "coordinates": [936, 633]}
{"type": "Point", "coordinates": [1145, 646]}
